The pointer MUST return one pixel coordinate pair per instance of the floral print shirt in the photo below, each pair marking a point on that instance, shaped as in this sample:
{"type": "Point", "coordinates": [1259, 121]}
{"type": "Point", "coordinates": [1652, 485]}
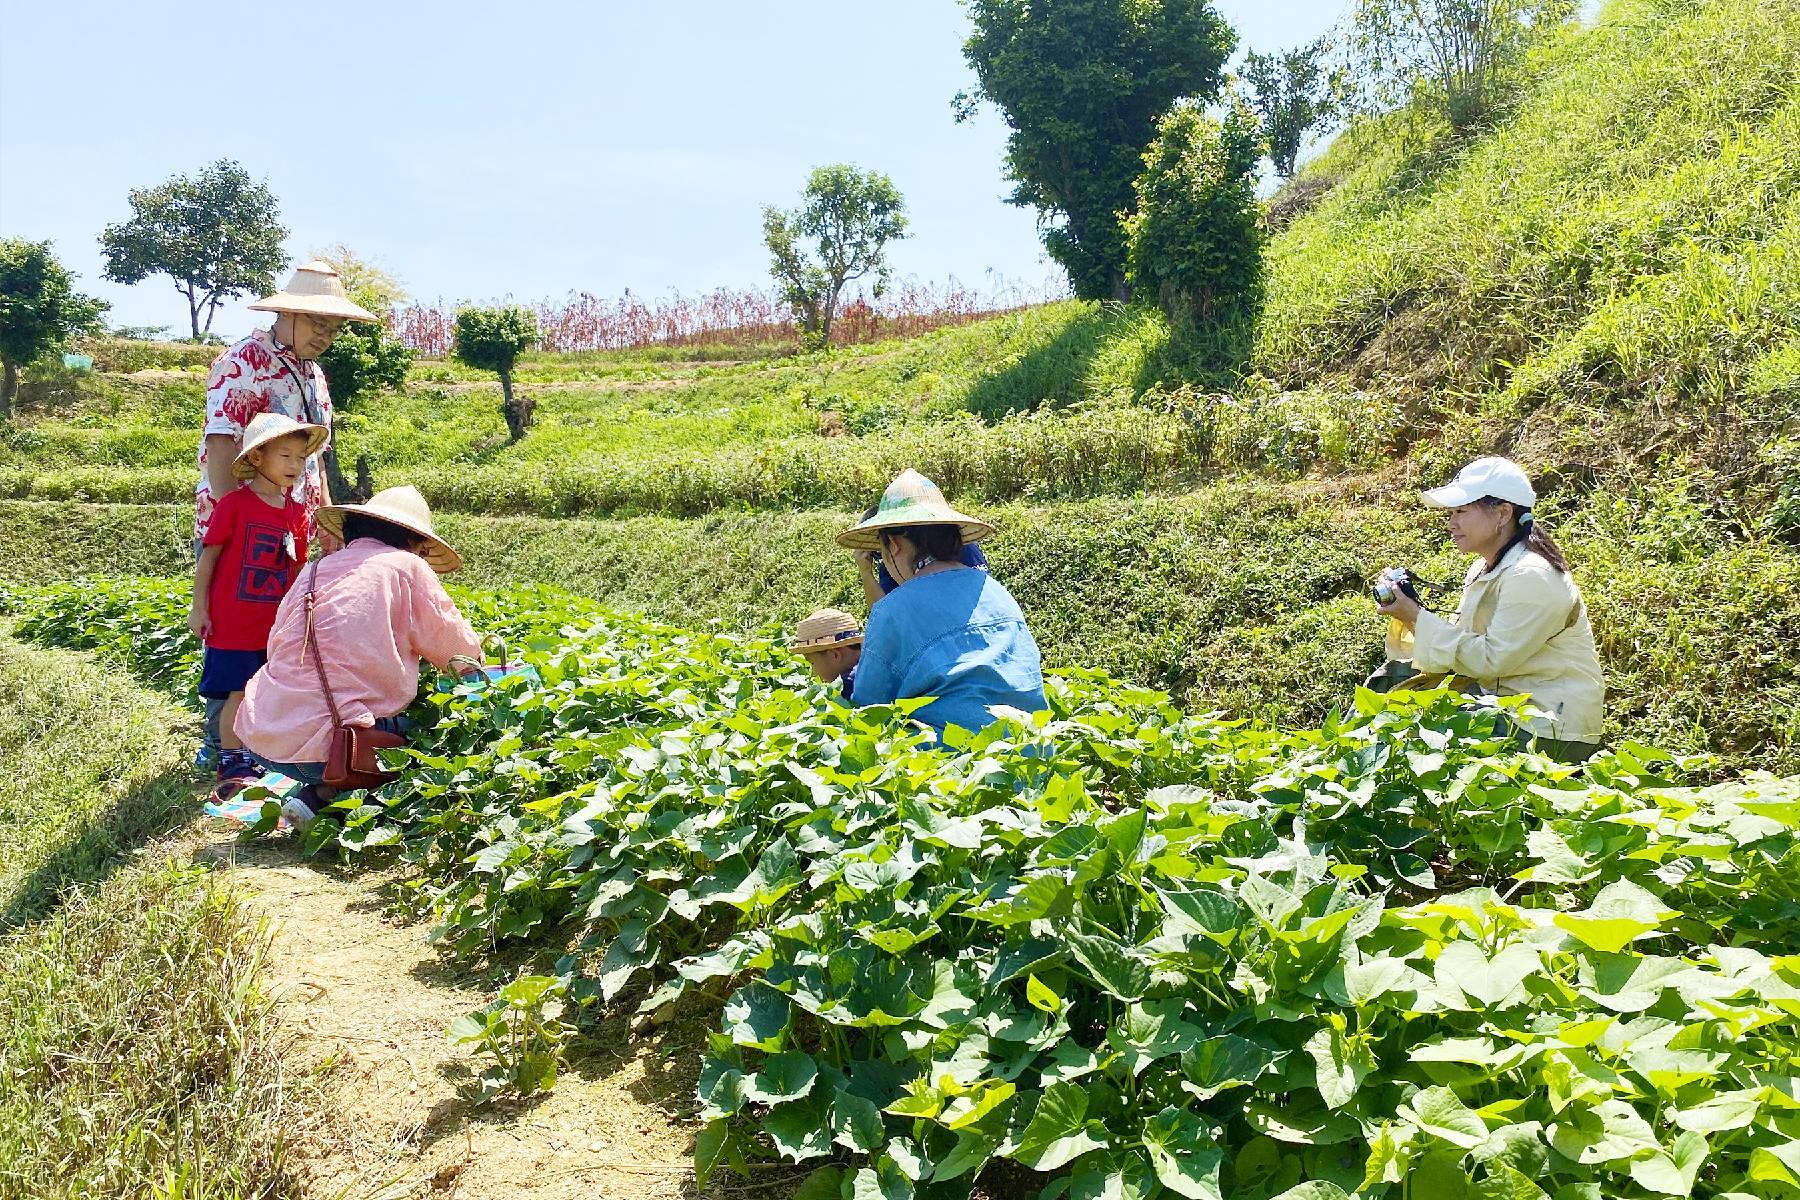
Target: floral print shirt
{"type": "Point", "coordinates": [259, 375]}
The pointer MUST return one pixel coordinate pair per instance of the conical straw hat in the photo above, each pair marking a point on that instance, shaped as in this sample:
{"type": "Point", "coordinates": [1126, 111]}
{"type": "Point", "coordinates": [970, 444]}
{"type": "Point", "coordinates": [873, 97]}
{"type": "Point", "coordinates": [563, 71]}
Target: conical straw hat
{"type": "Point", "coordinates": [911, 499]}
{"type": "Point", "coordinates": [265, 428]}
{"type": "Point", "coordinates": [315, 289]}
{"type": "Point", "coordinates": [402, 506]}
{"type": "Point", "coordinates": [827, 629]}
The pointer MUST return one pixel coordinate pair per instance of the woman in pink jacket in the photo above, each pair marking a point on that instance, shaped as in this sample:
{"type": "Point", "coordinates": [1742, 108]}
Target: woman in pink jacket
{"type": "Point", "coordinates": [379, 609]}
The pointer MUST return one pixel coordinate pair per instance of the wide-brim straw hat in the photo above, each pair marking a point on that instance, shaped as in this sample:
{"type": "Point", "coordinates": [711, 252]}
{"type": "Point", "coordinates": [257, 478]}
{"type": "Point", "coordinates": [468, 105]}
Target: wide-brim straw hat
{"type": "Point", "coordinates": [911, 499]}
{"type": "Point", "coordinates": [315, 290]}
{"type": "Point", "coordinates": [402, 506]}
{"type": "Point", "coordinates": [827, 629]}
{"type": "Point", "coordinates": [265, 428]}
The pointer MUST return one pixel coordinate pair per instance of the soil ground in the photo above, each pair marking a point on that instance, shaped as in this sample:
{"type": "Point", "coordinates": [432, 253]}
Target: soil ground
{"type": "Point", "coordinates": [364, 1000]}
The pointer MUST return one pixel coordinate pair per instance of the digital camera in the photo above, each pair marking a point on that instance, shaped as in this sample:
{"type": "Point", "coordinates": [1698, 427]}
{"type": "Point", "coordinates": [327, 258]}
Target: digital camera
{"type": "Point", "coordinates": [1394, 581]}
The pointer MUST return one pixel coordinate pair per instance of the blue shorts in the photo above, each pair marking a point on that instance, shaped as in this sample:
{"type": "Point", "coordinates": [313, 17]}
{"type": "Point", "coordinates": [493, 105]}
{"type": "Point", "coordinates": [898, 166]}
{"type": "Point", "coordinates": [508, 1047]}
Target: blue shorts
{"type": "Point", "coordinates": [223, 672]}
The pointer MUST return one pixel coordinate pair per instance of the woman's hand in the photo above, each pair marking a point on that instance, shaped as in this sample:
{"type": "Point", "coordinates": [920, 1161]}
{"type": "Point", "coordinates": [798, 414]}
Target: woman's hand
{"type": "Point", "coordinates": [1403, 608]}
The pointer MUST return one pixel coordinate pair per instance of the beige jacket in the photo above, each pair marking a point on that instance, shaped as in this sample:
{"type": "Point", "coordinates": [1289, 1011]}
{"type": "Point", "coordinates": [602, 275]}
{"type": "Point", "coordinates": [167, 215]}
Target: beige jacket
{"type": "Point", "coordinates": [1521, 628]}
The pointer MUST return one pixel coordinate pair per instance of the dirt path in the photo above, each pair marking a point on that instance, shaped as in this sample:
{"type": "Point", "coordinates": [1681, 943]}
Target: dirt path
{"type": "Point", "coordinates": [366, 1000]}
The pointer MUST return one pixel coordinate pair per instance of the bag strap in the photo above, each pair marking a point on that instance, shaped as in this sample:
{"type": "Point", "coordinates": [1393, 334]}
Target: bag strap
{"type": "Point", "coordinates": [311, 646]}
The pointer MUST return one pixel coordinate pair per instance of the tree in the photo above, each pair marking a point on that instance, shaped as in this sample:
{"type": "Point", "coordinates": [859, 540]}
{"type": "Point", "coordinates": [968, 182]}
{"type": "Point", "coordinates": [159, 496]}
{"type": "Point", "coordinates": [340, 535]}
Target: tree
{"type": "Point", "coordinates": [40, 310]}
{"type": "Point", "coordinates": [1292, 93]}
{"type": "Point", "coordinates": [849, 217]}
{"type": "Point", "coordinates": [491, 339]}
{"type": "Point", "coordinates": [1195, 241]}
{"type": "Point", "coordinates": [1081, 84]}
{"type": "Point", "coordinates": [217, 234]}
{"type": "Point", "coordinates": [365, 357]}
{"type": "Point", "coordinates": [1456, 53]}
{"type": "Point", "coordinates": [365, 282]}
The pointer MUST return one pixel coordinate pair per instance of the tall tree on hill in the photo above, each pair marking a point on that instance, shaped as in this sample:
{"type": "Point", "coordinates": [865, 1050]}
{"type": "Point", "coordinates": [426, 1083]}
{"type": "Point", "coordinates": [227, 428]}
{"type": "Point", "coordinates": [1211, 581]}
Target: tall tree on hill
{"type": "Point", "coordinates": [1082, 84]}
{"type": "Point", "coordinates": [1292, 93]}
{"type": "Point", "coordinates": [491, 339]}
{"type": "Point", "coordinates": [1457, 54]}
{"type": "Point", "coordinates": [849, 217]}
{"type": "Point", "coordinates": [40, 310]}
{"type": "Point", "coordinates": [217, 234]}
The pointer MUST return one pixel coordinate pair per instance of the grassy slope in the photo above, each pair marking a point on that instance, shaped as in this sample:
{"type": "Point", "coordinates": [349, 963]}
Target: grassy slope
{"type": "Point", "coordinates": [1612, 274]}
{"type": "Point", "coordinates": [136, 1047]}
{"type": "Point", "coordinates": [1242, 596]}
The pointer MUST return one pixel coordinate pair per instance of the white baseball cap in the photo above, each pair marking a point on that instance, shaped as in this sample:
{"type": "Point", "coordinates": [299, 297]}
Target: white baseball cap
{"type": "Point", "coordinates": [1500, 478]}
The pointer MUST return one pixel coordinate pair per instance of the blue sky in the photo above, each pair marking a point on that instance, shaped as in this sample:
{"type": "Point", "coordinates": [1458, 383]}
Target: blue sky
{"type": "Point", "coordinates": [565, 146]}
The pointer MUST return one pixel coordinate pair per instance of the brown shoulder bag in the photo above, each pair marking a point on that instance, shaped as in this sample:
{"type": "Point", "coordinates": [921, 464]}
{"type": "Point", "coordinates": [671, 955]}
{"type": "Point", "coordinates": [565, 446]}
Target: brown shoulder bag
{"type": "Point", "coordinates": [350, 761]}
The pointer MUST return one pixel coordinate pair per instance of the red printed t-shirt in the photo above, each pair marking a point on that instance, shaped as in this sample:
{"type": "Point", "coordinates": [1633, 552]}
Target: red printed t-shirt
{"type": "Point", "coordinates": [254, 570]}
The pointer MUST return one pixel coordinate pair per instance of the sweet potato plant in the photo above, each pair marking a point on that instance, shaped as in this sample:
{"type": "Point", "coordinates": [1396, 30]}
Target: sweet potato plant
{"type": "Point", "coordinates": [1117, 949]}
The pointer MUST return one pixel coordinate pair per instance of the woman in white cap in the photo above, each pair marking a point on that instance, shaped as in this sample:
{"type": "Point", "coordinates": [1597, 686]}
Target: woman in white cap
{"type": "Point", "coordinates": [376, 608]}
{"type": "Point", "coordinates": [274, 370]}
{"type": "Point", "coordinates": [1521, 627]}
{"type": "Point", "coordinates": [948, 631]}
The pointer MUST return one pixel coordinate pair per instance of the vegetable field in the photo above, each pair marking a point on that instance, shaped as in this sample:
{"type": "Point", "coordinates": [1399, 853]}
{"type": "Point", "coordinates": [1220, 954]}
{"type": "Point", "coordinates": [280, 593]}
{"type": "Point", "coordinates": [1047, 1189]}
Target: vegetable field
{"type": "Point", "coordinates": [1115, 950]}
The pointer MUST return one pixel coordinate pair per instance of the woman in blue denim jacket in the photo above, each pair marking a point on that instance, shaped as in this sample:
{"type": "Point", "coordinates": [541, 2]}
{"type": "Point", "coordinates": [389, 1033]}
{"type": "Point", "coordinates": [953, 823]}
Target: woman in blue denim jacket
{"type": "Point", "coordinates": [948, 631]}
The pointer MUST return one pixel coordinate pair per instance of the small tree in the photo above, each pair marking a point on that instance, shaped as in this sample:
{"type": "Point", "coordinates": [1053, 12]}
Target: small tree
{"type": "Point", "coordinates": [217, 234]}
{"type": "Point", "coordinates": [1292, 93]}
{"type": "Point", "coordinates": [40, 310]}
{"type": "Point", "coordinates": [1196, 238]}
{"type": "Point", "coordinates": [1457, 53]}
{"type": "Point", "coordinates": [849, 217]}
{"type": "Point", "coordinates": [365, 357]}
{"type": "Point", "coordinates": [1082, 84]}
{"type": "Point", "coordinates": [366, 282]}
{"type": "Point", "coordinates": [491, 339]}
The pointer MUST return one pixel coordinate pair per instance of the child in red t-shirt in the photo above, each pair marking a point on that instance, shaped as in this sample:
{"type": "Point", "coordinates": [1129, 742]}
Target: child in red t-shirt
{"type": "Point", "coordinates": [250, 554]}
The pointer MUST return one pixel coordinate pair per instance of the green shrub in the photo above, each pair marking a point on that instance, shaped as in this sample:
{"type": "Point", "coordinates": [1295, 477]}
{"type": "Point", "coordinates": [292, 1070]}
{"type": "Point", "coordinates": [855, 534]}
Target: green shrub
{"type": "Point", "coordinates": [1195, 241]}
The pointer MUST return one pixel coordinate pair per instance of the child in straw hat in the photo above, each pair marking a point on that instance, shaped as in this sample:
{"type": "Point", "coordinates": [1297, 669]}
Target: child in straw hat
{"type": "Point", "coordinates": [831, 643]}
{"type": "Point", "coordinates": [249, 555]}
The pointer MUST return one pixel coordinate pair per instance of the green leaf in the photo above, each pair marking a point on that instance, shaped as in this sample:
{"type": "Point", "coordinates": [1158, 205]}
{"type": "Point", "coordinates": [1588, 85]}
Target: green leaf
{"type": "Point", "coordinates": [1468, 979]}
{"type": "Point", "coordinates": [1439, 1113]}
{"type": "Point", "coordinates": [1318, 1189]}
{"type": "Point", "coordinates": [1219, 1063]}
{"type": "Point", "coordinates": [1033, 900]}
{"type": "Point", "coordinates": [972, 1151]}
{"type": "Point", "coordinates": [975, 1104]}
{"type": "Point", "coordinates": [711, 1145]}
{"type": "Point", "coordinates": [720, 1090]}
{"type": "Point", "coordinates": [785, 1076]}
{"type": "Point", "coordinates": [801, 1129]}
{"type": "Point", "coordinates": [1776, 1164]}
{"type": "Point", "coordinates": [1059, 1131]}
{"type": "Point", "coordinates": [825, 1183]}
{"type": "Point", "coordinates": [1339, 1071]}
{"type": "Point", "coordinates": [1672, 1172]}
{"type": "Point", "coordinates": [882, 1181]}
{"type": "Point", "coordinates": [856, 1123]}
{"type": "Point", "coordinates": [1041, 995]}
{"type": "Point", "coordinates": [757, 1016]}
{"type": "Point", "coordinates": [1609, 1132]}
{"type": "Point", "coordinates": [1184, 1154]}
{"type": "Point", "coordinates": [1118, 969]}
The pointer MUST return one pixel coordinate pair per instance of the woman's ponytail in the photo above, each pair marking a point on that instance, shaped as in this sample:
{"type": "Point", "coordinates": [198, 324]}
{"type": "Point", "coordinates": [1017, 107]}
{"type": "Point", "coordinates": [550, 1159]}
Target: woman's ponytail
{"type": "Point", "coordinates": [1538, 540]}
